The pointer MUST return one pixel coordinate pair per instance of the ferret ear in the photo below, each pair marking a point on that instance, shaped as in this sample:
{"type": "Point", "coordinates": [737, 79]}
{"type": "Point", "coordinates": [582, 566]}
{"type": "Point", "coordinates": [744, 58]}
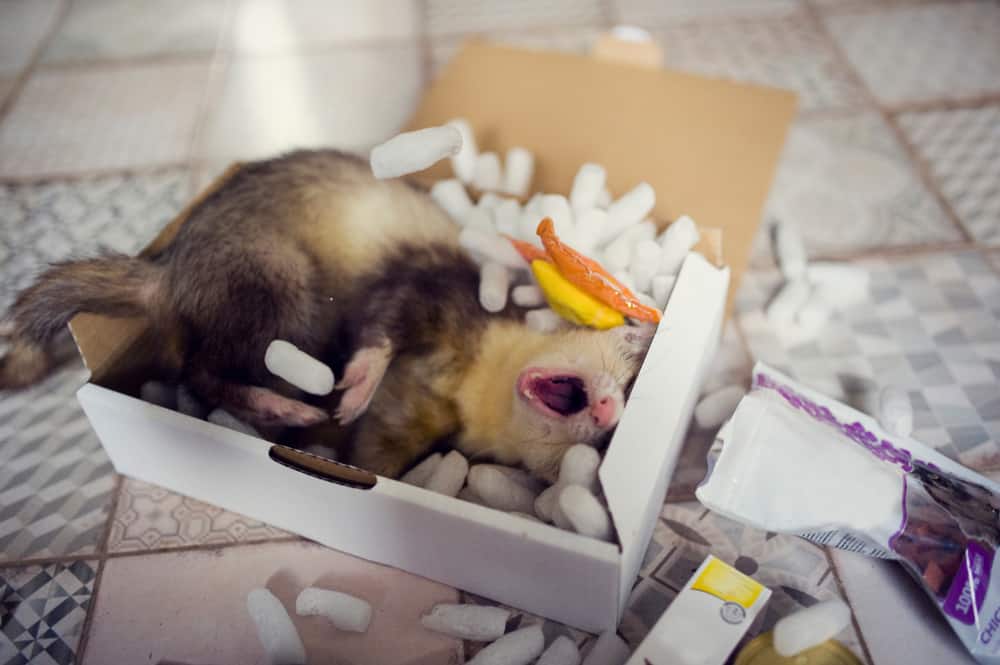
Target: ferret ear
{"type": "Point", "coordinates": [638, 336]}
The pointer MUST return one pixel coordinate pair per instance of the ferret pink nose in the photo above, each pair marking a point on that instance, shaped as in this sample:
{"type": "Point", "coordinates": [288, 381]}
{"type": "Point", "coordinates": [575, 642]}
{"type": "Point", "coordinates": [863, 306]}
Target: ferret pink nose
{"type": "Point", "coordinates": [604, 412]}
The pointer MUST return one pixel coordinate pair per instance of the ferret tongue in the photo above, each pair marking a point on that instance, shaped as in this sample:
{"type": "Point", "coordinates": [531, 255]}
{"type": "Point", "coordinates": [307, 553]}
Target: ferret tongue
{"type": "Point", "coordinates": [563, 394]}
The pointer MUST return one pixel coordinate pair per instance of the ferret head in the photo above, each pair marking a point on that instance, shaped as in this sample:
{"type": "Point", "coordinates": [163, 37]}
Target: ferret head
{"type": "Point", "coordinates": [573, 391]}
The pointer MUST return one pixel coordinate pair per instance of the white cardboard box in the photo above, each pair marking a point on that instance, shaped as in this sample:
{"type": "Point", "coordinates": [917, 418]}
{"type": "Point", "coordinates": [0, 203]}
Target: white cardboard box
{"type": "Point", "coordinates": [709, 147]}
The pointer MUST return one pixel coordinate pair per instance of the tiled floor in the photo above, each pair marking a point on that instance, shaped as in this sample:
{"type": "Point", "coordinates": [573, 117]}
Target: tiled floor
{"type": "Point", "coordinates": [112, 111]}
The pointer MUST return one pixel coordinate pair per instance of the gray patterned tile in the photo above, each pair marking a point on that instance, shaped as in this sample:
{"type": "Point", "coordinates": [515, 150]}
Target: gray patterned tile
{"type": "Point", "coordinates": [120, 29]}
{"type": "Point", "coordinates": [962, 149]}
{"type": "Point", "coordinates": [785, 52]}
{"type": "Point", "coordinates": [935, 346]}
{"type": "Point", "coordinates": [71, 120]}
{"type": "Point", "coordinates": [847, 185]}
{"type": "Point", "coordinates": [918, 53]}
{"type": "Point", "coordinates": [458, 16]}
{"type": "Point", "coordinates": [44, 608]}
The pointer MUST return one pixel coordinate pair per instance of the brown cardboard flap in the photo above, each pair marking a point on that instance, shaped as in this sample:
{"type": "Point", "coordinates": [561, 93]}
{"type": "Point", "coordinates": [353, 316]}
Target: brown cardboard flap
{"type": "Point", "coordinates": [100, 339]}
{"type": "Point", "coordinates": [708, 147]}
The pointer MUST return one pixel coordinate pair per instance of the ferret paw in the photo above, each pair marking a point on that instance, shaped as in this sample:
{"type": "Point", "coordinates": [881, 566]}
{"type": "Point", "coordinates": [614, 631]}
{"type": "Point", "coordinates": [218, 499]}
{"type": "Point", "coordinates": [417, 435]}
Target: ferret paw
{"type": "Point", "coordinates": [266, 407]}
{"type": "Point", "coordinates": [362, 377]}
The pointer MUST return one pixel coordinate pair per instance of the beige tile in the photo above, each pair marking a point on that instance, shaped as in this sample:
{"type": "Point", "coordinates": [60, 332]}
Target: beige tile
{"type": "Point", "coordinates": [458, 16]}
{"type": "Point", "coordinates": [108, 29]}
{"type": "Point", "coordinates": [190, 607]}
{"type": "Point", "coordinates": [649, 13]}
{"type": "Point", "coordinates": [848, 185]}
{"type": "Point", "coordinates": [151, 517]}
{"type": "Point", "coordinates": [106, 118]}
{"type": "Point", "coordinates": [908, 54]}
{"type": "Point", "coordinates": [23, 25]}
{"type": "Point", "coordinates": [262, 26]}
{"type": "Point", "coordinates": [348, 98]}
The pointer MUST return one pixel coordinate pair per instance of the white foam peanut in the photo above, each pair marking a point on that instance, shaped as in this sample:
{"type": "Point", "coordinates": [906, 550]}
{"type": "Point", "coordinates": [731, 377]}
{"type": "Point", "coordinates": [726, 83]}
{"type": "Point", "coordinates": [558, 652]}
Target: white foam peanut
{"type": "Point", "coordinates": [556, 207]}
{"type": "Point", "coordinates": [494, 285]}
{"type": "Point", "coordinates": [609, 649]}
{"type": "Point", "coordinates": [625, 278]}
{"type": "Point", "coordinates": [464, 162]}
{"type": "Point", "coordinates": [716, 407]}
{"type": "Point", "coordinates": [517, 648]}
{"type": "Point", "coordinates": [499, 490]}
{"type": "Point", "coordinates": [790, 251]}
{"type": "Point", "coordinates": [527, 516]}
{"type": "Point", "coordinates": [506, 216]}
{"type": "Point", "coordinates": [225, 419]}
{"type": "Point", "coordinates": [414, 151]}
{"type": "Point", "coordinates": [839, 284]}
{"type": "Point", "coordinates": [531, 215]}
{"type": "Point", "coordinates": [677, 240]}
{"type": "Point", "coordinates": [562, 651]}
{"type": "Point", "coordinates": [488, 173]}
{"type": "Point", "coordinates": [468, 494]}
{"type": "Point", "coordinates": [300, 369]}
{"type": "Point", "coordinates": [631, 208]}
{"type": "Point", "coordinates": [451, 196]}
{"type": "Point", "coordinates": [785, 306]}
{"type": "Point", "coordinates": [587, 186]}
{"type": "Point", "coordinates": [895, 411]}
{"type": "Point", "coordinates": [159, 393]}
{"type": "Point", "coordinates": [662, 286]}
{"type": "Point", "coordinates": [810, 627]}
{"type": "Point", "coordinates": [587, 227]}
{"type": "Point", "coordinates": [492, 246]}
{"type": "Point", "coordinates": [813, 314]}
{"type": "Point", "coordinates": [584, 512]}
{"type": "Point", "coordinates": [527, 295]}
{"type": "Point", "coordinates": [343, 610]}
{"type": "Point", "coordinates": [449, 476]}
{"type": "Point", "coordinates": [617, 256]}
{"type": "Point", "coordinates": [421, 473]}
{"type": "Point", "coordinates": [604, 198]}
{"type": "Point", "coordinates": [489, 200]}
{"type": "Point", "coordinates": [480, 219]}
{"type": "Point", "coordinates": [190, 405]}
{"type": "Point", "coordinates": [519, 169]}
{"type": "Point", "coordinates": [275, 629]}
{"type": "Point", "coordinates": [480, 623]}
{"type": "Point", "coordinates": [579, 466]}
{"type": "Point", "coordinates": [620, 250]}
{"type": "Point", "coordinates": [546, 501]}
{"type": "Point", "coordinates": [645, 264]}
{"type": "Point", "coordinates": [543, 320]}
{"type": "Point", "coordinates": [559, 518]}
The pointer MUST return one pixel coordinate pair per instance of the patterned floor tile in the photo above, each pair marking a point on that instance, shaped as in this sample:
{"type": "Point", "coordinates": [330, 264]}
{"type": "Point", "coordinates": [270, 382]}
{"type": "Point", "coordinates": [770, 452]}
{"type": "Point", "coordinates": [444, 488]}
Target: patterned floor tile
{"type": "Point", "coordinates": [910, 54]}
{"type": "Point", "coordinates": [42, 609]}
{"type": "Point", "coordinates": [50, 221]}
{"type": "Point", "coordinates": [151, 517]}
{"type": "Point", "coordinates": [962, 149]}
{"type": "Point", "coordinates": [113, 29]}
{"type": "Point", "coordinates": [280, 25]}
{"type": "Point", "coordinates": [932, 327]}
{"type": "Point", "coordinates": [458, 16]}
{"type": "Point", "coordinates": [651, 13]}
{"type": "Point", "coordinates": [567, 40]}
{"type": "Point", "coordinates": [847, 185]}
{"type": "Point", "coordinates": [797, 572]}
{"type": "Point", "coordinates": [55, 480]}
{"type": "Point", "coordinates": [200, 611]}
{"type": "Point", "coordinates": [272, 104]}
{"type": "Point", "coordinates": [6, 87]}
{"type": "Point", "coordinates": [104, 118]}
{"type": "Point", "coordinates": [23, 25]}
{"type": "Point", "coordinates": [785, 52]}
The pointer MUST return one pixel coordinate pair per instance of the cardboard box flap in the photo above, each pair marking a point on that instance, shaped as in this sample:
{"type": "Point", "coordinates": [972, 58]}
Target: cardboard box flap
{"type": "Point", "coordinates": [641, 456]}
{"type": "Point", "coordinates": [636, 121]}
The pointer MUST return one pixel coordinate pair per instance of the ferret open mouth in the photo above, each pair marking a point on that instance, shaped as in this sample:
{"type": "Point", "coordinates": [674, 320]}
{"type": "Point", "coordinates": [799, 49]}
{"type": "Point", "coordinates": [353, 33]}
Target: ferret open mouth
{"type": "Point", "coordinates": [555, 394]}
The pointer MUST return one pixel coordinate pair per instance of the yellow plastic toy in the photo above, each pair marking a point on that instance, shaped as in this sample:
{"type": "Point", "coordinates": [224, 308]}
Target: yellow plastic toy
{"type": "Point", "coordinates": [570, 302]}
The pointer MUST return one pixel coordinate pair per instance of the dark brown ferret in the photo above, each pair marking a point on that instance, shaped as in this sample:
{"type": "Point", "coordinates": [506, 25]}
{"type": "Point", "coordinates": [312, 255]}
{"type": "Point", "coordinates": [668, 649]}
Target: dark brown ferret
{"type": "Point", "coordinates": [368, 276]}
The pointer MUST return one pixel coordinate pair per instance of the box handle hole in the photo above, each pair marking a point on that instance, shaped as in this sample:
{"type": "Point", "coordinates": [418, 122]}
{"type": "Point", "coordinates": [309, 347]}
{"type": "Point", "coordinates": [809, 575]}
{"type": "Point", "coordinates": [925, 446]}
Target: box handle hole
{"type": "Point", "coordinates": [322, 468]}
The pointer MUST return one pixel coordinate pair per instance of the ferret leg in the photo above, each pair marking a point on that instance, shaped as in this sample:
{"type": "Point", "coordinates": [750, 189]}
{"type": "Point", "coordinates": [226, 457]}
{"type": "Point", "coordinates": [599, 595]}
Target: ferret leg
{"type": "Point", "coordinates": [362, 377]}
{"type": "Point", "coordinates": [257, 405]}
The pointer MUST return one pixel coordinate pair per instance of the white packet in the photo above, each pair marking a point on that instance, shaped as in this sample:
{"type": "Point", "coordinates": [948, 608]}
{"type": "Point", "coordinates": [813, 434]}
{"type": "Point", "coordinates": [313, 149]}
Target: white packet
{"type": "Point", "coordinates": [793, 461]}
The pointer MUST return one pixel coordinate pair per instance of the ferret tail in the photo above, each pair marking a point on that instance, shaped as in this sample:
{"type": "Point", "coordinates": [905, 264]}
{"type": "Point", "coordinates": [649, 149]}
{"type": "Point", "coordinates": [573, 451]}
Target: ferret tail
{"type": "Point", "coordinates": [113, 285]}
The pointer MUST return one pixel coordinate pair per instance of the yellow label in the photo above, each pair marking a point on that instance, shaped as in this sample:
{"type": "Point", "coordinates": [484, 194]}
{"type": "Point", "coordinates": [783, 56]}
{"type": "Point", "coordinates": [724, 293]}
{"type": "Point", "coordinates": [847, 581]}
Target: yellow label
{"type": "Point", "coordinates": [723, 581]}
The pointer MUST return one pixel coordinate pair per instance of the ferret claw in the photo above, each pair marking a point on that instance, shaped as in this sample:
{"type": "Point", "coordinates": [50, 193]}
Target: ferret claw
{"type": "Point", "coordinates": [361, 379]}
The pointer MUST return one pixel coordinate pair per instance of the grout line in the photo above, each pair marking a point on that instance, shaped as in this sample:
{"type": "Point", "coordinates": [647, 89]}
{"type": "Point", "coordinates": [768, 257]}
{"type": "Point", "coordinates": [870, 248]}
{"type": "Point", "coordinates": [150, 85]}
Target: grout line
{"type": "Point", "coordinates": [880, 6]}
{"type": "Point", "coordinates": [946, 104]}
{"type": "Point", "coordinates": [920, 167]}
{"type": "Point", "coordinates": [425, 43]}
{"type": "Point", "coordinates": [33, 62]}
{"type": "Point", "coordinates": [88, 621]}
{"type": "Point", "coordinates": [903, 251]}
{"type": "Point", "coordinates": [127, 61]}
{"type": "Point", "coordinates": [612, 16]}
{"type": "Point", "coordinates": [204, 547]}
{"type": "Point", "coordinates": [49, 560]}
{"type": "Point", "coordinates": [116, 492]}
{"type": "Point", "coordinates": [843, 594]}
{"type": "Point", "coordinates": [88, 174]}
